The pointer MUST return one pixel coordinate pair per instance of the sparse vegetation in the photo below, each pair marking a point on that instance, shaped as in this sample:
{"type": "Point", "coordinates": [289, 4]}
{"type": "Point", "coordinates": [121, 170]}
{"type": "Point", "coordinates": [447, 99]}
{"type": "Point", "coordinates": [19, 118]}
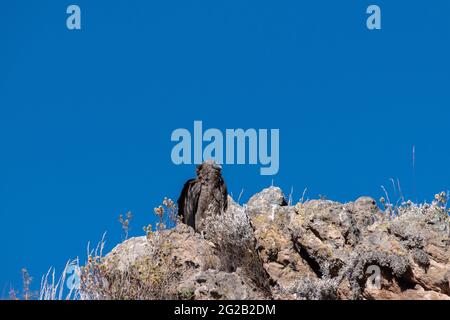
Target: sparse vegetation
{"type": "Point", "coordinates": [233, 235]}
{"type": "Point", "coordinates": [144, 278]}
{"type": "Point", "coordinates": [53, 288]}
{"type": "Point", "coordinates": [167, 215]}
{"type": "Point", "coordinates": [314, 289]}
{"type": "Point", "coordinates": [186, 294]}
{"type": "Point", "coordinates": [26, 293]}
{"type": "Point", "coordinates": [125, 223]}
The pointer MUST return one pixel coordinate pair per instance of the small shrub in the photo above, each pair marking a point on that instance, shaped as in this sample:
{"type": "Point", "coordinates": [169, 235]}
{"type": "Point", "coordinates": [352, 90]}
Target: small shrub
{"type": "Point", "coordinates": [232, 234]}
{"type": "Point", "coordinates": [125, 223]}
{"type": "Point", "coordinates": [167, 215]}
{"type": "Point", "coordinates": [314, 289]}
{"type": "Point", "coordinates": [186, 294]}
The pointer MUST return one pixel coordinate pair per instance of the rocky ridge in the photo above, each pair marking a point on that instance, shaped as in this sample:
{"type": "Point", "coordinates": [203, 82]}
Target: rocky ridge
{"type": "Point", "coordinates": [267, 249]}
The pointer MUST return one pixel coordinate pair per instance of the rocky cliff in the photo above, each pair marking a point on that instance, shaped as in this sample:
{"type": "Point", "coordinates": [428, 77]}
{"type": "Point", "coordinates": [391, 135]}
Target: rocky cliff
{"type": "Point", "coordinates": [268, 249]}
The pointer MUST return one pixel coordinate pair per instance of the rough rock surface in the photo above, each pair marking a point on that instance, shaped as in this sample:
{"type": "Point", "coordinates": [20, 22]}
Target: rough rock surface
{"type": "Point", "coordinates": [318, 249]}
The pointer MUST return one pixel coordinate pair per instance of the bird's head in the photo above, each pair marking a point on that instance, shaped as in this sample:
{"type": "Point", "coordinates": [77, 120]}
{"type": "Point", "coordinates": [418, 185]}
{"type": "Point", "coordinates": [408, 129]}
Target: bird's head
{"type": "Point", "coordinates": [208, 166]}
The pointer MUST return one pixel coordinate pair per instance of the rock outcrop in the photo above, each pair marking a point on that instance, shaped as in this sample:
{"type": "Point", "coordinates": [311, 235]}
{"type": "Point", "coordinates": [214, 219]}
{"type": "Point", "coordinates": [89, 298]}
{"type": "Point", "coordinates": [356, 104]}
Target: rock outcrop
{"type": "Point", "coordinates": [318, 249]}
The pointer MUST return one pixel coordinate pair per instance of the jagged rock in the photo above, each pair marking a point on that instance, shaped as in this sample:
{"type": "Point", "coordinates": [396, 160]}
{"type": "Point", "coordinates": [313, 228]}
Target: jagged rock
{"type": "Point", "coordinates": [266, 201]}
{"type": "Point", "coordinates": [220, 285]}
{"type": "Point", "coordinates": [270, 219]}
{"type": "Point", "coordinates": [187, 249]}
{"type": "Point", "coordinates": [319, 249]}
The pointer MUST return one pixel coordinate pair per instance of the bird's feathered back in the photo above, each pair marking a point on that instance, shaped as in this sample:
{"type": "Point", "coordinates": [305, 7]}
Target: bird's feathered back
{"type": "Point", "coordinates": [205, 195]}
{"type": "Point", "coordinates": [187, 202]}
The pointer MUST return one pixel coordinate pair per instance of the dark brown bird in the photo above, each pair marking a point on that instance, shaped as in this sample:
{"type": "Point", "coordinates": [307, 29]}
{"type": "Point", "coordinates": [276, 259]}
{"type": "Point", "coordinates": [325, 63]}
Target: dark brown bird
{"type": "Point", "coordinates": [204, 196]}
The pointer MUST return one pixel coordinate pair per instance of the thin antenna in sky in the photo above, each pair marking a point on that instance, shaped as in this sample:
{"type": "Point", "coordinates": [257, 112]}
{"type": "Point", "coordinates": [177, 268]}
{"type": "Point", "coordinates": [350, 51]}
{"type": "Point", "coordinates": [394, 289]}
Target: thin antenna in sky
{"type": "Point", "coordinates": [414, 170]}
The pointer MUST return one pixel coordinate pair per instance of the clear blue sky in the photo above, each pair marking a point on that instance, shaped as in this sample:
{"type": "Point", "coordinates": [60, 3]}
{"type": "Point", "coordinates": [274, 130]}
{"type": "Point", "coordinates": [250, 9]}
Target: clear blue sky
{"type": "Point", "coordinates": [86, 116]}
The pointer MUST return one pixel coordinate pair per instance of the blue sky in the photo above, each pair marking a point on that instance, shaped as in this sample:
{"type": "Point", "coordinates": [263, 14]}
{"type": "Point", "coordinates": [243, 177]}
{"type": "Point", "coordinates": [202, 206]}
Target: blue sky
{"type": "Point", "coordinates": [86, 116]}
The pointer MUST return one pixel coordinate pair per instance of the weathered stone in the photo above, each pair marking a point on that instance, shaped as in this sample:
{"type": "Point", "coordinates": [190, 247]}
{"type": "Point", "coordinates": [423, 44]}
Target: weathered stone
{"type": "Point", "coordinates": [319, 249]}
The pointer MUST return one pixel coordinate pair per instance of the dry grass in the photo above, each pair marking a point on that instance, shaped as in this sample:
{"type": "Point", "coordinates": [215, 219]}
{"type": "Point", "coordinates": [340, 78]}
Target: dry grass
{"type": "Point", "coordinates": [53, 288]}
